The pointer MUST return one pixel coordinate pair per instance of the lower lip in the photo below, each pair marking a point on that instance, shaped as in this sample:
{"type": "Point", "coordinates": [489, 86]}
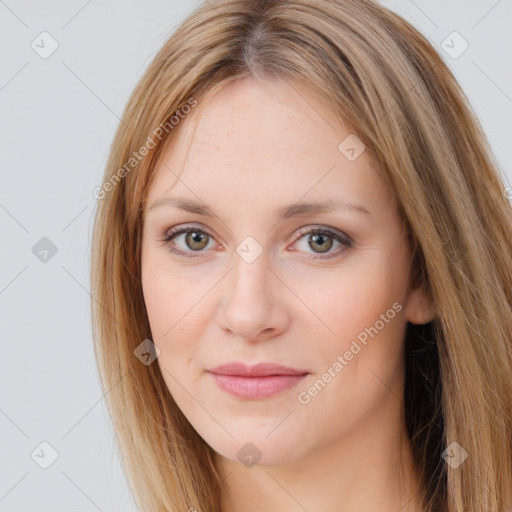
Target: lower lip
{"type": "Point", "coordinates": [256, 387]}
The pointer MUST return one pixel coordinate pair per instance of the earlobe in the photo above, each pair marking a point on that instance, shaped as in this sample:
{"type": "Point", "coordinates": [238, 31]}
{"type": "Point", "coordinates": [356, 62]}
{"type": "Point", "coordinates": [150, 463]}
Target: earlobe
{"type": "Point", "coordinates": [419, 308]}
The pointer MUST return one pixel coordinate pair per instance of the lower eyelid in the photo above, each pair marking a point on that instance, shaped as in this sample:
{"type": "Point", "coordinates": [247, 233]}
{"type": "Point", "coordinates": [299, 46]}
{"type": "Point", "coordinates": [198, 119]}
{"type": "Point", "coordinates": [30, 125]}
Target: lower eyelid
{"type": "Point", "coordinates": [345, 243]}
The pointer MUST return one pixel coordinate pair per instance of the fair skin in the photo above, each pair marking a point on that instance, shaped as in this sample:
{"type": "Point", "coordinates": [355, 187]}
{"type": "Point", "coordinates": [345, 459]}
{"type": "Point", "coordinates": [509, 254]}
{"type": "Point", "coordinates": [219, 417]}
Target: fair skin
{"type": "Point", "coordinates": [257, 147]}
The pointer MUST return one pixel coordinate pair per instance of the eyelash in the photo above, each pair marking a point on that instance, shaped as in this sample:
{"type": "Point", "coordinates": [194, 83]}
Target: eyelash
{"type": "Point", "coordinates": [174, 232]}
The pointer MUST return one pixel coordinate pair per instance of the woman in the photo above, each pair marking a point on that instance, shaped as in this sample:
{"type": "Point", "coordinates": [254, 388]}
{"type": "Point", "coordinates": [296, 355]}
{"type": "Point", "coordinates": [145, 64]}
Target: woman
{"type": "Point", "coordinates": [301, 271]}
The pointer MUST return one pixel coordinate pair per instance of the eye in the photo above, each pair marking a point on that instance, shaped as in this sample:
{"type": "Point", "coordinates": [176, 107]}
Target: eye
{"type": "Point", "coordinates": [195, 240]}
{"type": "Point", "coordinates": [321, 241]}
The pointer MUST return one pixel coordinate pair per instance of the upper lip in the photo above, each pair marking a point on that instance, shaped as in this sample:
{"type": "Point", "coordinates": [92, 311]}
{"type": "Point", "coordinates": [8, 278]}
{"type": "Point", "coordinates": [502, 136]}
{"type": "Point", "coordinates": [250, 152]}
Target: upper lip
{"type": "Point", "coordinates": [257, 370]}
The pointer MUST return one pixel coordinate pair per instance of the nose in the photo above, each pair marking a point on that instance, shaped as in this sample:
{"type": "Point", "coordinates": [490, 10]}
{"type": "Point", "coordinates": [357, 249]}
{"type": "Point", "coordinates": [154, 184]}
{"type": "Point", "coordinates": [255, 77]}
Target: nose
{"type": "Point", "coordinates": [253, 301]}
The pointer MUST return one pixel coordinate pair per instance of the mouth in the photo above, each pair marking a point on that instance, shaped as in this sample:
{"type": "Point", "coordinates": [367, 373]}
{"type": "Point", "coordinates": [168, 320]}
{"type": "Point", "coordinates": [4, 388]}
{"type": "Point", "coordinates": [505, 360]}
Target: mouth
{"type": "Point", "coordinates": [258, 381]}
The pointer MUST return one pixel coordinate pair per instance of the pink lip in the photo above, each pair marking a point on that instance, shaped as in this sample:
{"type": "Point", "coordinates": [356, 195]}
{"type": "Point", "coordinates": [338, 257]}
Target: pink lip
{"type": "Point", "coordinates": [258, 381]}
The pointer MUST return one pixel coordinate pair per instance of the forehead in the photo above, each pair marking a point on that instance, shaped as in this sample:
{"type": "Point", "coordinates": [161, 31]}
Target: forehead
{"type": "Point", "coordinates": [264, 143]}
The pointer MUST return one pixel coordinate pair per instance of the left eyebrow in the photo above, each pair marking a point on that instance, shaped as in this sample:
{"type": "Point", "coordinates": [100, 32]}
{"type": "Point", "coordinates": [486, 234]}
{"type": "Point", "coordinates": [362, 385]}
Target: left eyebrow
{"type": "Point", "coordinates": [284, 212]}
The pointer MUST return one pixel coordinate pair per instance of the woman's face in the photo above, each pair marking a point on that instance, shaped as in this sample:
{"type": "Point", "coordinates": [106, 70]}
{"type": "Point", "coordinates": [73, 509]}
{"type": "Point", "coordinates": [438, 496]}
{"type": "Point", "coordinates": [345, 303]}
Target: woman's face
{"type": "Point", "coordinates": [250, 284]}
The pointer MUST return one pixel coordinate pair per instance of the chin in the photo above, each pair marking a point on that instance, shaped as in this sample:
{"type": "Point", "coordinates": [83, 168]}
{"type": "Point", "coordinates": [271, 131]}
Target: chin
{"type": "Point", "coordinates": [257, 448]}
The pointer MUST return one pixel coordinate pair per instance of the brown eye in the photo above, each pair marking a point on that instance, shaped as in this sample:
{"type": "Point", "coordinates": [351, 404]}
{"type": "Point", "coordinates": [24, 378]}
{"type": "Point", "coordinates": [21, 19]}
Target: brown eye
{"type": "Point", "coordinates": [187, 240]}
{"type": "Point", "coordinates": [196, 240]}
{"type": "Point", "coordinates": [320, 241]}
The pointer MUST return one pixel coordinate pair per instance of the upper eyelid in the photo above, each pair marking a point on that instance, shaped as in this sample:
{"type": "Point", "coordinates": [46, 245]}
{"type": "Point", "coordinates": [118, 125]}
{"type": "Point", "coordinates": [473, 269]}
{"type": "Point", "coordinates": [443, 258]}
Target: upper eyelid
{"type": "Point", "coordinates": [299, 233]}
{"type": "Point", "coordinates": [181, 229]}
{"type": "Point", "coordinates": [312, 227]}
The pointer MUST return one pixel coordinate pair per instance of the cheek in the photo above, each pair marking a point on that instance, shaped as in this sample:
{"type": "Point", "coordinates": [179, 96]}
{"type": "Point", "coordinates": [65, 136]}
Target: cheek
{"type": "Point", "coordinates": [372, 316]}
{"type": "Point", "coordinates": [175, 317]}
{"type": "Point", "coordinates": [364, 308]}
{"type": "Point", "coordinates": [170, 292]}
{"type": "Point", "coordinates": [352, 297]}
{"type": "Point", "coordinates": [173, 307]}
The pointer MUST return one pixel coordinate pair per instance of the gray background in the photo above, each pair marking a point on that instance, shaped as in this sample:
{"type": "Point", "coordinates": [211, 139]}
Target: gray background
{"type": "Point", "coordinates": [58, 117]}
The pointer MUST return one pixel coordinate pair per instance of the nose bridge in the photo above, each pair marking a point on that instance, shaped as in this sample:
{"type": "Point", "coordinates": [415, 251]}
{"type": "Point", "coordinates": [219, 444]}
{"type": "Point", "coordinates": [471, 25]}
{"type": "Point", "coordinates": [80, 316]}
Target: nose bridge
{"type": "Point", "coordinates": [250, 276]}
{"type": "Point", "coordinates": [249, 307]}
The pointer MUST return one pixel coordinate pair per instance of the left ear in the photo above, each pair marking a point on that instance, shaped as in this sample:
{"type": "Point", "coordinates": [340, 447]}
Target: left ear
{"type": "Point", "coordinates": [419, 308]}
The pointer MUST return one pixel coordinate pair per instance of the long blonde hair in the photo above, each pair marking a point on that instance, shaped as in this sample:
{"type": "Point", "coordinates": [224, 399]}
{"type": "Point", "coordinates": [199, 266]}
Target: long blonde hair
{"type": "Point", "coordinates": [385, 81]}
